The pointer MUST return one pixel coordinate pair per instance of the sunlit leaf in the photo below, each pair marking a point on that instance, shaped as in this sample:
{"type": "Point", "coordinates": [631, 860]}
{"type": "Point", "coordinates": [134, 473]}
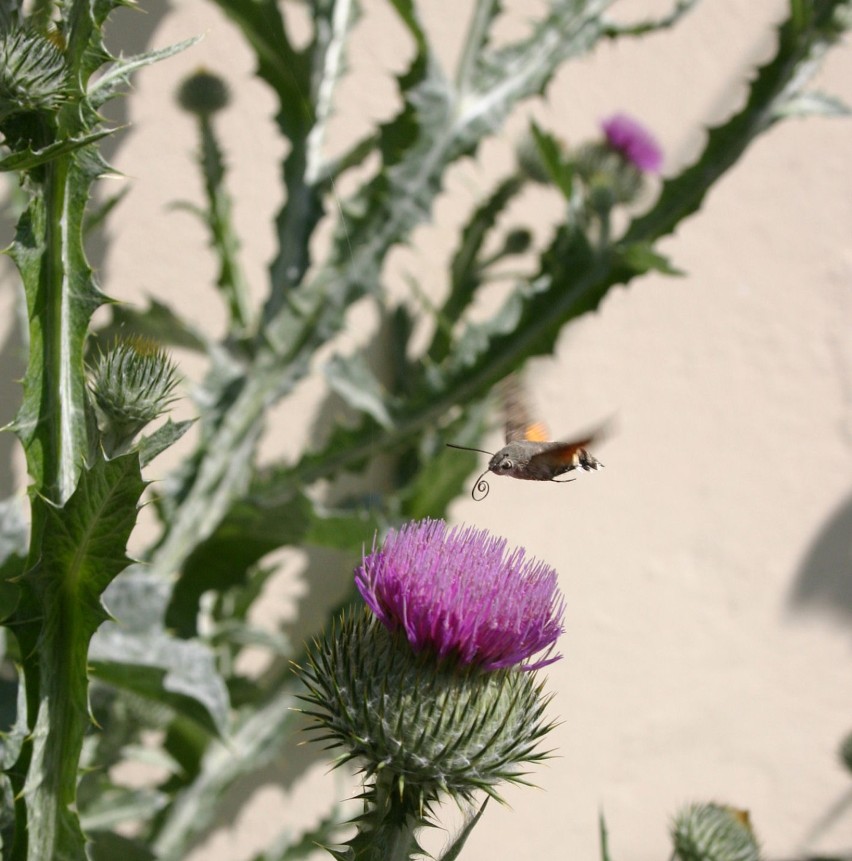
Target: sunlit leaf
{"type": "Point", "coordinates": [814, 103]}
{"type": "Point", "coordinates": [138, 654]}
{"type": "Point", "coordinates": [355, 382]}
{"type": "Point", "coordinates": [28, 159]}
{"type": "Point", "coordinates": [158, 441]}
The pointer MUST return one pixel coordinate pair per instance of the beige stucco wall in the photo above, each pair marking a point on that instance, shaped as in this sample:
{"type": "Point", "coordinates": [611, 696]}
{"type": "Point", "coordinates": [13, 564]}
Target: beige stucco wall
{"type": "Point", "coordinates": [690, 672]}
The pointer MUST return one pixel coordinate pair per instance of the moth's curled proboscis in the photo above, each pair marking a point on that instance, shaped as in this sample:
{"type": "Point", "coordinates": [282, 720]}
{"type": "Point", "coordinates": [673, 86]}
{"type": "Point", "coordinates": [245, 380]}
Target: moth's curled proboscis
{"type": "Point", "coordinates": [481, 488]}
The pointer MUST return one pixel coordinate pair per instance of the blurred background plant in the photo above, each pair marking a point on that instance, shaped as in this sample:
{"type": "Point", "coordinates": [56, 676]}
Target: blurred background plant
{"type": "Point", "coordinates": [163, 677]}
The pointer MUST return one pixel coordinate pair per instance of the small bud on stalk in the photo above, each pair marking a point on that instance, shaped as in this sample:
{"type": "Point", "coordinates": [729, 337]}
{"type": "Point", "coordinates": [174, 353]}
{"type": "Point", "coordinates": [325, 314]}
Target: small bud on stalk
{"type": "Point", "coordinates": [713, 832]}
{"type": "Point", "coordinates": [131, 384]}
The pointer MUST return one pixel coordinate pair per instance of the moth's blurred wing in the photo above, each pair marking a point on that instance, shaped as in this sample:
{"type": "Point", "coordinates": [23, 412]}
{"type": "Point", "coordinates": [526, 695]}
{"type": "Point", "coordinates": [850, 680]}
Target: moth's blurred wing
{"type": "Point", "coordinates": [563, 453]}
{"type": "Point", "coordinates": [535, 432]}
{"type": "Point", "coordinates": [519, 425]}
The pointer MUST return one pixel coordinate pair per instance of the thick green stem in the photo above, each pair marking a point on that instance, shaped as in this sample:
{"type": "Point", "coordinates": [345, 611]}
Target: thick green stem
{"type": "Point", "coordinates": [51, 422]}
{"type": "Point", "coordinates": [59, 666]}
{"type": "Point", "coordinates": [52, 427]}
{"type": "Point", "coordinates": [81, 549]}
{"type": "Point", "coordinates": [59, 610]}
{"type": "Point", "coordinates": [387, 830]}
{"type": "Point", "coordinates": [66, 432]}
{"type": "Point", "coordinates": [477, 34]}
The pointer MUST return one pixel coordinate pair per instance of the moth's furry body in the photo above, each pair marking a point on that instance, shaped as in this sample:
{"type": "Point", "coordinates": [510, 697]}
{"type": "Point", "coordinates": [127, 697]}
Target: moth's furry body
{"type": "Point", "coordinates": [542, 461]}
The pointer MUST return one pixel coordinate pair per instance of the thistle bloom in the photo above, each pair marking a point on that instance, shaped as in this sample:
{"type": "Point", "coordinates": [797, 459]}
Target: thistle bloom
{"type": "Point", "coordinates": [634, 142]}
{"type": "Point", "coordinates": [423, 688]}
{"type": "Point", "coordinates": [458, 592]}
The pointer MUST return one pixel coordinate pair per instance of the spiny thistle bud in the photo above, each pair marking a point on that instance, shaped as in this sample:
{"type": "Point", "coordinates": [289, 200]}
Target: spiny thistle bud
{"type": "Point", "coordinates": [33, 73]}
{"type": "Point", "coordinates": [713, 832]}
{"type": "Point", "coordinates": [427, 688]}
{"type": "Point", "coordinates": [434, 725]}
{"type": "Point", "coordinates": [203, 93]}
{"type": "Point", "coordinates": [132, 384]}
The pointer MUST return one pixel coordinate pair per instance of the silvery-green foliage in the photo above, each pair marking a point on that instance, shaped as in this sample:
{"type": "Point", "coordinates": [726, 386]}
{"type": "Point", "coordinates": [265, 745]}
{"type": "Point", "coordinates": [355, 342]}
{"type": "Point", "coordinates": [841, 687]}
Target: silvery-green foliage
{"type": "Point", "coordinates": [167, 662]}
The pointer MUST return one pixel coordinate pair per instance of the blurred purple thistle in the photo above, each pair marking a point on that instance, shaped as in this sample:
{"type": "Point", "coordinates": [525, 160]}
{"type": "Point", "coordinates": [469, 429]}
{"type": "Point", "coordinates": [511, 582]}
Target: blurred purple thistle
{"type": "Point", "coordinates": [458, 592]}
{"type": "Point", "coordinates": [634, 142]}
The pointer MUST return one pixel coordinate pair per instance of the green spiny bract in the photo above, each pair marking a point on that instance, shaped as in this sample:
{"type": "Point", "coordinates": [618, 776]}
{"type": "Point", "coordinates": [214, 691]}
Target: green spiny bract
{"type": "Point", "coordinates": [33, 86]}
{"type": "Point", "coordinates": [131, 384]}
{"type": "Point", "coordinates": [33, 73]}
{"type": "Point", "coordinates": [609, 178]}
{"type": "Point", "coordinates": [530, 161]}
{"type": "Point", "coordinates": [713, 832]}
{"type": "Point", "coordinates": [434, 726]}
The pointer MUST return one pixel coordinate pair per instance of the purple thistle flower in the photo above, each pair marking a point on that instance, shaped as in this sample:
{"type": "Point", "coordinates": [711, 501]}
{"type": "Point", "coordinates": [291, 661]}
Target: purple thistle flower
{"type": "Point", "coordinates": [634, 142]}
{"type": "Point", "coordinates": [458, 592]}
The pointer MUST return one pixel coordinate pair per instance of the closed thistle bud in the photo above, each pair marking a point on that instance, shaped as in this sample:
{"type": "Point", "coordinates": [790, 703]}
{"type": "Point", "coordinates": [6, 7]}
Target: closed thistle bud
{"type": "Point", "coordinates": [33, 73]}
{"type": "Point", "coordinates": [429, 689]}
{"type": "Point", "coordinates": [713, 832]}
{"type": "Point", "coordinates": [132, 384]}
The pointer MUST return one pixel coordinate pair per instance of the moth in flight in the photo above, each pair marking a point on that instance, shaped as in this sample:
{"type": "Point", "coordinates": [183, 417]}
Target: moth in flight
{"type": "Point", "coordinates": [529, 453]}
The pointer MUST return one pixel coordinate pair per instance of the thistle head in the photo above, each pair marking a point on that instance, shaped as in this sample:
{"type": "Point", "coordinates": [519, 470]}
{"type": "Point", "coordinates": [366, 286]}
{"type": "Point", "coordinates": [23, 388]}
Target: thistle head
{"type": "Point", "coordinates": [34, 84]}
{"type": "Point", "coordinates": [633, 142]}
{"type": "Point", "coordinates": [33, 73]}
{"type": "Point", "coordinates": [460, 593]}
{"type": "Point", "coordinates": [614, 169]}
{"type": "Point", "coordinates": [426, 686]}
{"type": "Point", "coordinates": [131, 384]}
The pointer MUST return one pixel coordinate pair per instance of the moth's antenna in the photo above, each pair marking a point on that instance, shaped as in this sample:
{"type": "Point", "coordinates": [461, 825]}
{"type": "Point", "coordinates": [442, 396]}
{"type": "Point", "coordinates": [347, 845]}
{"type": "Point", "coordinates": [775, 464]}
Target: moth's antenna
{"type": "Point", "coordinates": [467, 448]}
{"type": "Point", "coordinates": [480, 490]}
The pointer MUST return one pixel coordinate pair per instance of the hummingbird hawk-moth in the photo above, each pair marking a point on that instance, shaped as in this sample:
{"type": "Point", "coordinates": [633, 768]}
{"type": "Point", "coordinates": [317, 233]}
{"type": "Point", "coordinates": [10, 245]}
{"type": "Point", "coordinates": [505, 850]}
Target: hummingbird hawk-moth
{"type": "Point", "coordinates": [529, 453]}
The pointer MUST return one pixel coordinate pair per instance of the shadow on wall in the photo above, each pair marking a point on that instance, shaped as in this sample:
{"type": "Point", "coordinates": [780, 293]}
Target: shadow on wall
{"type": "Point", "coordinates": [824, 580]}
{"type": "Point", "coordinates": [130, 31]}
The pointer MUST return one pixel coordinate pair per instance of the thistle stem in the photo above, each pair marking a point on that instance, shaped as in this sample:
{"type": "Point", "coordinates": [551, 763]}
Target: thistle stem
{"type": "Point", "coordinates": [476, 35]}
{"type": "Point", "coordinates": [387, 828]}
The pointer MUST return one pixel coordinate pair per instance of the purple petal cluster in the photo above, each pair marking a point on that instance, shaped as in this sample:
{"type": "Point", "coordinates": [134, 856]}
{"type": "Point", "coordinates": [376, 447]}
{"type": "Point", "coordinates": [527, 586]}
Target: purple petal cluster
{"type": "Point", "coordinates": [459, 592]}
{"type": "Point", "coordinates": [634, 142]}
